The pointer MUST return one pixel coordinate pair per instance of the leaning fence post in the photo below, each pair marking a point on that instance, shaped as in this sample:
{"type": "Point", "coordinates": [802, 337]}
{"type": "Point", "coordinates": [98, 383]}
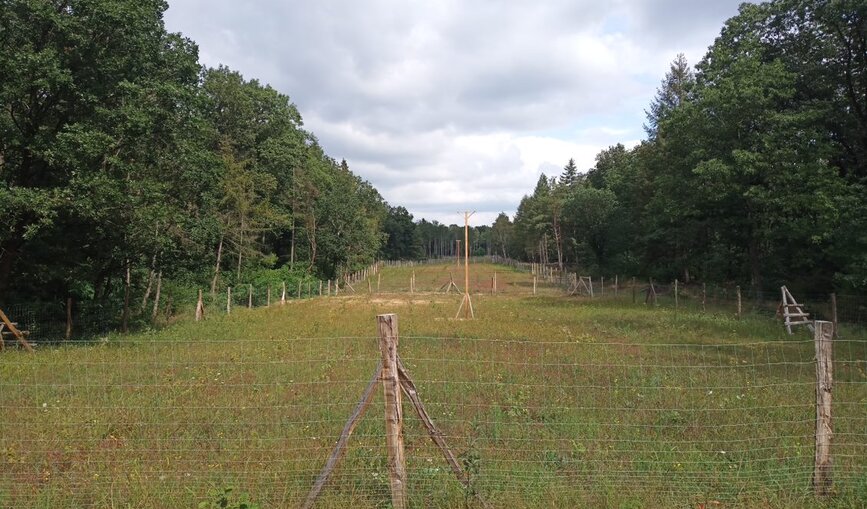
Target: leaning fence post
{"type": "Point", "coordinates": [388, 340]}
{"type": "Point", "coordinates": [823, 336]}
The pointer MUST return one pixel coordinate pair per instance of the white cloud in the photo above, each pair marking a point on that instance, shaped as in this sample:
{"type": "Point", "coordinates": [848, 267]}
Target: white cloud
{"type": "Point", "coordinates": [449, 105]}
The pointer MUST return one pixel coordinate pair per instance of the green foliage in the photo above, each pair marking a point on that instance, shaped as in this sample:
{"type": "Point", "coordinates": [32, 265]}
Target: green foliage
{"type": "Point", "coordinates": [226, 499]}
{"type": "Point", "coordinates": [753, 171]}
{"type": "Point", "coordinates": [118, 150]}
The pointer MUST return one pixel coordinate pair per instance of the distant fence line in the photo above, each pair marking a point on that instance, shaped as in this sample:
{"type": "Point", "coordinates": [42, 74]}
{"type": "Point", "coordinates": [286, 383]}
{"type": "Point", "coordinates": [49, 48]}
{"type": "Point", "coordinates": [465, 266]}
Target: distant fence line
{"type": "Point", "coordinates": [84, 320]}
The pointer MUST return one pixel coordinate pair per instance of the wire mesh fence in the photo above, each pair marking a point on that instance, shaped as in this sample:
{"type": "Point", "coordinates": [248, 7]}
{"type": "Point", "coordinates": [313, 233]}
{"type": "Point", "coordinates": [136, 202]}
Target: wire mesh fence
{"type": "Point", "coordinates": [175, 423]}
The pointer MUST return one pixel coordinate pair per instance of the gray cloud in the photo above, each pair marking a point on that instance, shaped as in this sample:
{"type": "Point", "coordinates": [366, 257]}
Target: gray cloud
{"type": "Point", "coordinates": [443, 102]}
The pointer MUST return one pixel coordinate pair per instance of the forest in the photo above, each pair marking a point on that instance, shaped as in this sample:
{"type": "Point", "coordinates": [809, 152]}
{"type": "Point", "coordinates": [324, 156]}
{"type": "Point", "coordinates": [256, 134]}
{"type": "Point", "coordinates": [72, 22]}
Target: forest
{"type": "Point", "coordinates": [753, 170]}
{"type": "Point", "coordinates": [124, 161]}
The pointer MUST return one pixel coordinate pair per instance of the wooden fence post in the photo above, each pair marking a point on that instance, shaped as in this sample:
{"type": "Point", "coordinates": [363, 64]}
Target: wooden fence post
{"type": "Point", "coordinates": [388, 342]}
{"type": "Point", "coordinates": [250, 296]}
{"type": "Point", "coordinates": [676, 301]}
{"type": "Point", "coordinates": [228, 300]}
{"type": "Point", "coordinates": [68, 319]}
{"type": "Point", "coordinates": [283, 294]}
{"type": "Point", "coordinates": [378, 281]}
{"type": "Point", "coordinates": [616, 279]}
{"type": "Point", "coordinates": [268, 301]}
{"type": "Point", "coordinates": [739, 302]}
{"type": "Point", "coordinates": [534, 285]}
{"type": "Point", "coordinates": [320, 288]}
{"type": "Point", "coordinates": [823, 335]}
{"type": "Point", "coordinates": [834, 313]}
{"type": "Point", "coordinates": [299, 288]}
{"type": "Point", "coordinates": [200, 307]}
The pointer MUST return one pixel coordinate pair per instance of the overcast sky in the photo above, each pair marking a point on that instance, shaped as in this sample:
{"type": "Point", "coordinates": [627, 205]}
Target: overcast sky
{"type": "Point", "coordinates": [458, 105]}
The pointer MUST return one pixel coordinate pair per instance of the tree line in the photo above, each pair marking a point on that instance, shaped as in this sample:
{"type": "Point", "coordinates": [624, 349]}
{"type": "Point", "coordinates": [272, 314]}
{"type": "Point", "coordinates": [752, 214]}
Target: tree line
{"type": "Point", "coordinates": [753, 170]}
{"type": "Point", "coordinates": [124, 161]}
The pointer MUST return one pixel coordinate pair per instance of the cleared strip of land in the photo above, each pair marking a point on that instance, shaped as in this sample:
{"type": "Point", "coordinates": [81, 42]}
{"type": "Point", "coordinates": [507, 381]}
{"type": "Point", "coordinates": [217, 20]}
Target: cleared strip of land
{"type": "Point", "coordinates": [546, 400]}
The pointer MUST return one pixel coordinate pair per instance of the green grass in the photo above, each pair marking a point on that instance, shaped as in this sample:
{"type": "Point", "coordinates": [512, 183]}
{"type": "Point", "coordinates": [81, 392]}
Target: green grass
{"type": "Point", "coordinates": [549, 401]}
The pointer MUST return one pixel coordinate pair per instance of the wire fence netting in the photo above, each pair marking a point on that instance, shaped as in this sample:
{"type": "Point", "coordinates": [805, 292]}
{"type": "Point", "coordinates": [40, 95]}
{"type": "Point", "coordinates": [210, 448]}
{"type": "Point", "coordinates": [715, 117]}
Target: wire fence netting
{"type": "Point", "coordinates": [175, 423]}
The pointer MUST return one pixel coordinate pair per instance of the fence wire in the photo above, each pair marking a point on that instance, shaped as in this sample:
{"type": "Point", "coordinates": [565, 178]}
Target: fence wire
{"type": "Point", "coordinates": [175, 423]}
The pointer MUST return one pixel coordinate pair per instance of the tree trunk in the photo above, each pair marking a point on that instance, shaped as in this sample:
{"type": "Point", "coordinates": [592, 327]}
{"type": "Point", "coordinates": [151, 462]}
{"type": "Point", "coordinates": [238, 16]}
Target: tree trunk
{"type": "Point", "coordinates": [151, 275]}
{"type": "Point", "coordinates": [157, 296]}
{"type": "Point", "coordinates": [217, 268]}
{"type": "Point", "coordinates": [125, 321]}
{"type": "Point", "coordinates": [755, 268]}
{"type": "Point", "coordinates": [311, 238]}
{"type": "Point", "coordinates": [240, 249]}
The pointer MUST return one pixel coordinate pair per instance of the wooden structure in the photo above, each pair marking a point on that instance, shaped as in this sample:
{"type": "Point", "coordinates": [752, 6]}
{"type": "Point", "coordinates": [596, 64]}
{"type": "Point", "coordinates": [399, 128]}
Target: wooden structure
{"type": "Point", "coordinates": [396, 382]}
{"type": "Point", "coordinates": [793, 313]}
{"type": "Point", "coordinates": [200, 307]}
{"type": "Point", "coordinates": [466, 302]}
{"type": "Point", "coordinates": [446, 288]}
{"type": "Point", "coordinates": [8, 327]}
{"type": "Point", "coordinates": [823, 336]}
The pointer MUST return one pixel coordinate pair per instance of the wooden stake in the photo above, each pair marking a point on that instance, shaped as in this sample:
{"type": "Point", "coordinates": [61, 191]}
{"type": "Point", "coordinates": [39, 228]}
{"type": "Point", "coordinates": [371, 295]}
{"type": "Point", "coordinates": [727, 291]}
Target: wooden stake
{"type": "Point", "coordinates": [329, 287]}
{"type": "Point", "coordinates": [534, 285]}
{"type": "Point", "coordinates": [200, 308]}
{"type": "Point", "coordinates": [320, 288]}
{"type": "Point", "coordinates": [823, 335]}
{"type": "Point", "coordinates": [249, 296]}
{"type": "Point", "coordinates": [228, 300]}
{"type": "Point", "coordinates": [388, 343]}
{"type": "Point", "coordinates": [616, 288]}
{"type": "Point", "coordinates": [739, 301]}
{"type": "Point", "coordinates": [834, 313]}
{"type": "Point", "coordinates": [283, 294]}
{"type": "Point", "coordinates": [299, 288]}
{"type": "Point", "coordinates": [68, 335]}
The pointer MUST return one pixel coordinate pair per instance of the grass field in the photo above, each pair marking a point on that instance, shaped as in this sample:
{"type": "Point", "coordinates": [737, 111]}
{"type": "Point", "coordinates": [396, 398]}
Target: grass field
{"type": "Point", "coordinates": [549, 401]}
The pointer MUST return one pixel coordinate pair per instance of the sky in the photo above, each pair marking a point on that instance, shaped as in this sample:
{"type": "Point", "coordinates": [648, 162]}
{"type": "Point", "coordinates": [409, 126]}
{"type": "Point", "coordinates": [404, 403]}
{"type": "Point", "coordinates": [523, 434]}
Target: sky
{"type": "Point", "coordinates": [447, 106]}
